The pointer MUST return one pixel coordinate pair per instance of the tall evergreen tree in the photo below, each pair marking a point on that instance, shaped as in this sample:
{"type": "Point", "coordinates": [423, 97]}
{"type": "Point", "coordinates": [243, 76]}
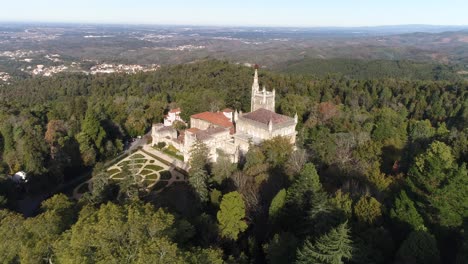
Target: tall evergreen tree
{"type": "Point", "coordinates": [406, 213]}
{"type": "Point", "coordinates": [419, 247]}
{"type": "Point", "coordinates": [306, 184]}
{"type": "Point", "coordinates": [305, 200]}
{"type": "Point", "coordinates": [331, 248]}
{"type": "Point", "coordinates": [440, 185]}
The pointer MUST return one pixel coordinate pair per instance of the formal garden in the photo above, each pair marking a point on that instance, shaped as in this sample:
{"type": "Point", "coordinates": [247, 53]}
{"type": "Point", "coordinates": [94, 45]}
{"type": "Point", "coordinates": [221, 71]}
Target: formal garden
{"type": "Point", "coordinates": [151, 172]}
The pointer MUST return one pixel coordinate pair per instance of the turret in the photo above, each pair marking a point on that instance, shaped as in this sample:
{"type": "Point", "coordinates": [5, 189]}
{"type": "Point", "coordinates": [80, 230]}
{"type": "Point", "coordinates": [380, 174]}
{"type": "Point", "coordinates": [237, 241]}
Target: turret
{"type": "Point", "coordinates": [261, 98]}
{"type": "Point", "coordinates": [295, 118]}
{"type": "Point", "coordinates": [255, 88]}
{"type": "Point", "coordinates": [255, 85]}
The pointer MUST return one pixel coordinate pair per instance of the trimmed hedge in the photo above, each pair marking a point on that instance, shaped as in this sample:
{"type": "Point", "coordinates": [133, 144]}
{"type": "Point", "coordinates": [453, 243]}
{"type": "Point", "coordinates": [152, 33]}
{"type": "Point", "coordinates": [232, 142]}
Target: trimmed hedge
{"type": "Point", "coordinates": [153, 167]}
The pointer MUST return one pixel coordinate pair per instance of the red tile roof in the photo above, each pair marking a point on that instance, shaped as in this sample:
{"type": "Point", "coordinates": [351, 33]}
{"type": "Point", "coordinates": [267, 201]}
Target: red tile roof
{"type": "Point", "coordinates": [217, 118]}
{"type": "Point", "coordinates": [264, 116]}
{"type": "Point", "coordinates": [175, 110]}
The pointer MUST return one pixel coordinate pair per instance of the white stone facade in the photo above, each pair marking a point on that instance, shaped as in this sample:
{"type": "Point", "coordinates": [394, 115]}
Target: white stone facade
{"type": "Point", "coordinates": [168, 135]}
{"type": "Point", "coordinates": [172, 116]}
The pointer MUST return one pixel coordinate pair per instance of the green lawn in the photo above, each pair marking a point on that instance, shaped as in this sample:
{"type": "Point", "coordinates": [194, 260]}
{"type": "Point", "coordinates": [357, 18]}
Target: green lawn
{"type": "Point", "coordinates": [137, 161]}
{"type": "Point", "coordinates": [137, 156]}
{"type": "Point", "coordinates": [132, 166]}
{"type": "Point", "coordinates": [118, 176]}
{"type": "Point", "coordinates": [148, 182]}
{"type": "Point", "coordinates": [153, 176]}
{"type": "Point", "coordinates": [123, 163]}
{"type": "Point", "coordinates": [153, 167]}
{"type": "Point", "coordinates": [146, 172]}
{"type": "Point", "coordinates": [113, 171]}
{"type": "Point", "coordinates": [173, 154]}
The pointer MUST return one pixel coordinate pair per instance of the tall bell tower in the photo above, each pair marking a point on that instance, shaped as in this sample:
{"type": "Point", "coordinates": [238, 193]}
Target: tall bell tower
{"type": "Point", "coordinates": [261, 98]}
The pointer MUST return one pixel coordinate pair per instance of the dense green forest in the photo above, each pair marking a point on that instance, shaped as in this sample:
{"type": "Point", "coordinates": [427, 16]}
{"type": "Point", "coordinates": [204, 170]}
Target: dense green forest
{"type": "Point", "coordinates": [379, 174]}
{"type": "Point", "coordinates": [374, 69]}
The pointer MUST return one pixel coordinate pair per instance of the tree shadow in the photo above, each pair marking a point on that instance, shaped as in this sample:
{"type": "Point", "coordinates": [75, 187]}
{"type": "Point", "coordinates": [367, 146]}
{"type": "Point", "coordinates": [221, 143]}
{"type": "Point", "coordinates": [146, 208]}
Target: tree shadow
{"type": "Point", "coordinates": [351, 181]}
{"type": "Point", "coordinates": [178, 198]}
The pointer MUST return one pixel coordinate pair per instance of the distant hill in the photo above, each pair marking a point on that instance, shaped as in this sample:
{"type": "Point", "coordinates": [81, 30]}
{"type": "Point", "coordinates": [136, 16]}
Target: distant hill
{"type": "Point", "coordinates": [408, 51]}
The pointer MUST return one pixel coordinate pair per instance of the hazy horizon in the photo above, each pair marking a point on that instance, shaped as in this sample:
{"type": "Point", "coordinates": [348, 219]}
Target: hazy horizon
{"type": "Point", "coordinates": [294, 13]}
{"type": "Point", "coordinates": [32, 22]}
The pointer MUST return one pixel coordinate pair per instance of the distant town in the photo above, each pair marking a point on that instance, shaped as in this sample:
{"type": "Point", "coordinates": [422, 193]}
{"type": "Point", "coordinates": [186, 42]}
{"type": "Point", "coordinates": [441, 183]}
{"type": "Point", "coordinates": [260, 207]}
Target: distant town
{"type": "Point", "coordinates": [30, 57]}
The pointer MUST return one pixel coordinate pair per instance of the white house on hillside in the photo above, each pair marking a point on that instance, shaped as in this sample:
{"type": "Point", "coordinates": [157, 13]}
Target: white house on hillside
{"type": "Point", "coordinates": [172, 116]}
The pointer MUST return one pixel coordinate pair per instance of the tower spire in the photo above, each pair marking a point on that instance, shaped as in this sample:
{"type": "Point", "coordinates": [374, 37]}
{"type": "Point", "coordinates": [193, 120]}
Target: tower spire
{"type": "Point", "coordinates": [255, 86]}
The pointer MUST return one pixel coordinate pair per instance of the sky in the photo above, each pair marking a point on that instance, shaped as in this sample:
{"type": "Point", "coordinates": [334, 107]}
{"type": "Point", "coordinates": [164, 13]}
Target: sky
{"type": "Point", "coordinates": [301, 13]}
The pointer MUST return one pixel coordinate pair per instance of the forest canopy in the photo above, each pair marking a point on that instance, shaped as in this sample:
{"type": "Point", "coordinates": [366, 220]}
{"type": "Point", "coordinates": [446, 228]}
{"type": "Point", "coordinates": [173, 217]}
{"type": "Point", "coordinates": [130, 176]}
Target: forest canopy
{"type": "Point", "coordinates": [379, 174]}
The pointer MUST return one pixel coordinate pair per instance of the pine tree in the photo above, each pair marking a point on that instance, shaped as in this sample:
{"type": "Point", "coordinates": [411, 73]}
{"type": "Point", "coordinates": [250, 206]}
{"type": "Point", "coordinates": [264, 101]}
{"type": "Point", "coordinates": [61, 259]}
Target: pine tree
{"type": "Point", "coordinates": [440, 185]}
{"type": "Point", "coordinates": [305, 185]}
{"type": "Point", "coordinates": [330, 248]}
{"type": "Point", "coordinates": [406, 212]}
{"type": "Point", "coordinates": [419, 247]}
{"type": "Point", "coordinates": [305, 200]}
